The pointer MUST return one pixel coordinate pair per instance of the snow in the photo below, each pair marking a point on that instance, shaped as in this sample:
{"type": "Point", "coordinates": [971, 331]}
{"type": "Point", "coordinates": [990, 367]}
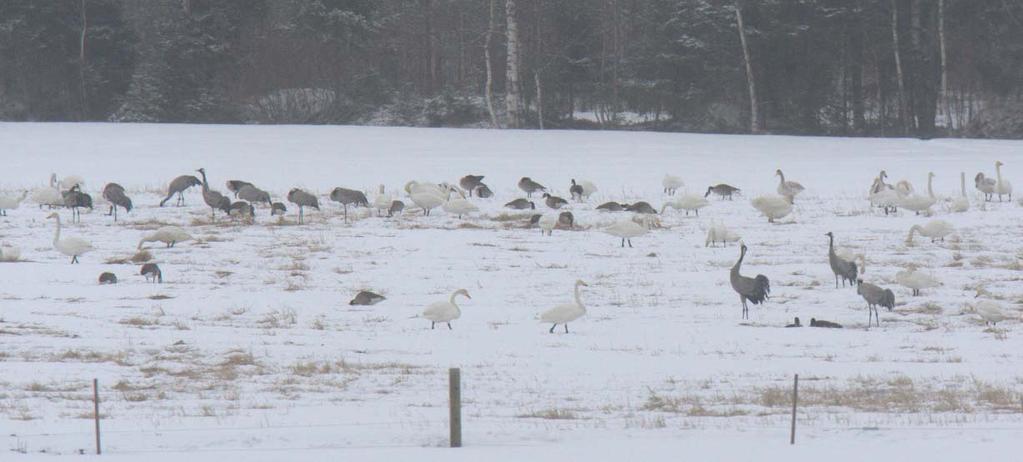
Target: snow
{"type": "Point", "coordinates": [250, 349]}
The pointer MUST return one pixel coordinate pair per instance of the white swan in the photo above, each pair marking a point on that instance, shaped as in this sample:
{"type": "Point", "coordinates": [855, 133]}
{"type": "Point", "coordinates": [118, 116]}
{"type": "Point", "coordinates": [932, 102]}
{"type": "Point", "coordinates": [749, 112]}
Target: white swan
{"type": "Point", "coordinates": [915, 280]}
{"type": "Point", "coordinates": [71, 246]}
{"type": "Point", "coordinates": [49, 196]}
{"type": "Point", "coordinates": [787, 188]}
{"type": "Point", "coordinates": [671, 184]}
{"type": "Point", "coordinates": [1002, 186]}
{"type": "Point", "coordinates": [626, 229]}
{"type": "Point", "coordinates": [169, 235]}
{"type": "Point", "coordinates": [547, 223]}
{"type": "Point", "coordinates": [564, 314]}
{"type": "Point", "coordinates": [71, 181]}
{"type": "Point", "coordinates": [687, 202]}
{"type": "Point", "coordinates": [11, 202]}
{"type": "Point", "coordinates": [9, 253]}
{"type": "Point", "coordinates": [918, 203]}
{"type": "Point", "coordinates": [773, 207]}
{"type": "Point", "coordinates": [883, 195]}
{"type": "Point", "coordinates": [382, 203]}
{"type": "Point", "coordinates": [428, 198]}
{"type": "Point", "coordinates": [989, 310]}
{"type": "Point", "coordinates": [588, 188]}
{"type": "Point", "coordinates": [904, 188]}
{"type": "Point", "coordinates": [459, 206]}
{"type": "Point", "coordinates": [934, 229]}
{"type": "Point", "coordinates": [718, 232]}
{"type": "Point", "coordinates": [962, 203]}
{"type": "Point", "coordinates": [445, 311]}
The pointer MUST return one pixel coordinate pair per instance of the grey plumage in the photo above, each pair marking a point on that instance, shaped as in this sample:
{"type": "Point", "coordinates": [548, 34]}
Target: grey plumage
{"type": "Point", "coordinates": [236, 185]}
{"type": "Point", "coordinates": [178, 186]}
{"type": "Point", "coordinates": [396, 207]}
{"type": "Point", "coordinates": [253, 194]}
{"type": "Point", "coordinates": [641, 207]}
{"type": "Point", "coordinates": [483, 191]}
{"type": "Point", "coordinates": [114, 193]}
{"type": "Point", "coordinates": [470, 182]}
{"type": "Point", "coordinates": [566, 219]}
{"type": "Point", "coordinates": [846, 270]}
{"type": "Point", "coordinates": [611, 207]}
{"type": "Point", "coordinates": [529, 186]}
{"type": "Point", "coordinates": [349, 197]}
{"type": "Point", "coordinates": [521, 204]}
{"type": "Point", "coordinates": [826, 324]}
{"type": "Point", "coordinates": [722, 190]}
{"type": "Point", "coordinates": [278, 208]}
{"type": "Point", "coordinates": [213, 198]}
{"type": "Point", "coordinates": [554, 202]}
{"type": "Point", "coordinates": [875, 296]}
{"type": "Point", "coordinates": [366, 297]}
{"type": "Point", "coordinates": [576, 191]}
{"type": "Point", "coordinates": [534, 220]}
{"type": "Point", "coordinates": [152, 272]}
{"type": "Point", "coordinates": [107, 278]}
{"type": "Point", "coordinates": [795, 323]}
{"type": "Point", "coordinates": [74, 199]}
{"type": "Point", "coordinates": [242, 208]}
{"type": "Point", "coordinates": [754, 290]}
{"type": "Point", "coordinates": [302, 199]}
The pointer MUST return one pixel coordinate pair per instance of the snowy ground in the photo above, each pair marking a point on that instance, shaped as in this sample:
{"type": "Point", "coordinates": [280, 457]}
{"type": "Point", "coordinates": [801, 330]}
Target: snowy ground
{"type": "Point", "coordinates": [249, 346]}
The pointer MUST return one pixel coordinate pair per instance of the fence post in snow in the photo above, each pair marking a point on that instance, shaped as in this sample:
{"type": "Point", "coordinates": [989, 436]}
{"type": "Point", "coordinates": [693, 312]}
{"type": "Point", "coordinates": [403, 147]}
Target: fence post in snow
{"type": "Point", "coordinates": [795, 400]}
{"type": "Point", "coordinates": [95, 411]}
{"type": "Point", "coordinates": [455, 405]}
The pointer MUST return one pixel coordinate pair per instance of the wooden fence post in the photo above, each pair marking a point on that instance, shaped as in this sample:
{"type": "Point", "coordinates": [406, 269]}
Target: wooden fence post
{"type": "Point", "coordinates": [95, 411]}
{"type": "Point", "coordinates": [455, 405]}
{"type": "Point", "coordinates": [795, 400]}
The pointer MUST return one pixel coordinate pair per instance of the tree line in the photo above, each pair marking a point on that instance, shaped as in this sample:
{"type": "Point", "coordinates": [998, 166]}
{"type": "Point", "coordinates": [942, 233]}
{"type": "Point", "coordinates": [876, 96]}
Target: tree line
{"type": "Point", "coordinates": [919, 68]}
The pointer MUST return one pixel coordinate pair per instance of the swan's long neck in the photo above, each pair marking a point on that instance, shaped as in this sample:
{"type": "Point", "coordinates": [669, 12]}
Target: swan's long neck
{"type": "Point", "coordinates": [912, 230]}
{"type": "Point", "coordinates": [56, 235]}
{"type": "Point", "coordinates": [53, 180]}
{"type": "Point", "coordinates": [998, 173]}
{"type": "Point", "coordinates": [578, 301]}
{"type": "Point", "coordinates": [452, 299]}
{"type": "Point", "coordinates": [930, 191]}
{"type": "Point", "coordinates": [781, 177]}
{"type": "Point", "coordinates": [962, 183]}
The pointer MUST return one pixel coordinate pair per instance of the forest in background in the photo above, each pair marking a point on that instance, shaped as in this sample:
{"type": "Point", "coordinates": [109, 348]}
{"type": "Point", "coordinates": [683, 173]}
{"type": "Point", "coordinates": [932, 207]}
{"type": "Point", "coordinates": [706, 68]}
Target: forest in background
{"type": "Point", "coordinates": [920, 68]}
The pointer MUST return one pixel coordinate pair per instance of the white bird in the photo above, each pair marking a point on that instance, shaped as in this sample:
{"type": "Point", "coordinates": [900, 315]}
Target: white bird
{"type": "Point", "coordinates": [459, 206]}
{"type": "Point", "coordinates": [934, 229]}
{"type": "Point", "coordinates": [9, 253]}
{"type": "Point", "coordinates": [49, 196]}
{"type": "Point", "coordinates": [547, 223]}
{"type": "Point", "coordinates": [566, 313]}
{"type": "Point", "coordinates": [428, 198]}
{"type": "Point", "coordinates": [918, 203]}
{"type": "Point", "coordinates": [787, 188]}
{"type": "Point", "coordinates": [382, 203]}
{"type": "Point", "coordinates": [962, 203]}
{"type": "Point", "coordinates": [989, 310]}
{"type": "Point", "coordinates": [904, 188]}
{"type": "Point", "coordinates": [11, 202]}
{"type": "Point", "coordinates": [71, 246]}
{"type": "Point", "coordinates": [626, 229]}
{"type": "Point", "coordinates": [773, 207]}
{"type": "Point", "coordinates": [671, 184]}
{"type": "Point", "coordinates": [1002, 186]}
{"type": "Point", "coordinates": [445, 311]}
{"type": "Point", "coordinates": [915, 280]}
{"type": "Point", "coordinates": [588, 188]}
{"type": "Point", "coordinates": [718, 232]}
{"type": "Point", "coordinates": [71, 181]}
{"type": "Point", "coordinates": [687, 202]}
{"type": "Point", "coordinates": [169, 235]}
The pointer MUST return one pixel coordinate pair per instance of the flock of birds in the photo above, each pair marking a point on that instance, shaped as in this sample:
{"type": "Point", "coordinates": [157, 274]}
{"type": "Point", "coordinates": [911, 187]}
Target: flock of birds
{"type": "Point", "coordinates": [457, 200]}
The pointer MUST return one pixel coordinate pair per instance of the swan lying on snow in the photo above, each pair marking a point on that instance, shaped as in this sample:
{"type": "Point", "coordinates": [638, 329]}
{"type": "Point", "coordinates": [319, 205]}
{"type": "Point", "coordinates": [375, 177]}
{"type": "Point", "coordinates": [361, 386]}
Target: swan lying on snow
{"type": "Point", "coordinates": [9, 253]}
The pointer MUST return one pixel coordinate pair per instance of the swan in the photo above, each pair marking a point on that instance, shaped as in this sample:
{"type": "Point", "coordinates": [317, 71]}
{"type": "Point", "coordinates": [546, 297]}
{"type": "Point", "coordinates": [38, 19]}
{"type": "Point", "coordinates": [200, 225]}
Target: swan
{"type": "Point", "coordinates": [1002, 186]}
{"type": "Point", "coordinates": [626, 229]}
{"type": "Point", "coordinates": [547, 223]}
{"type": "Point", "coordinates": [49, 196]}
{"type": "Point", "coordinates": [71, 181]}
{"type": "Point", "coordinates": [566, 313]}
{"type": "Point", "coordinates": [934, 229]}
{"type": "Point", "coordinates": [718, 232]}
{"type": "Point", "coordinates": [787, 188]}
{"type": "Point", "coordinates": [962, 203]}
{"type": "Point", "coordinates": [9, 253]}
{"type": "Point", "coordinates": [71, 246]}
{"type": "Point", "coordinates": [588, 188]}
{"type": "Point", "coordinates": [382, 203]}
{"type": "Point", "coordinates": [671, 184]}
{"type": "Point", "coordinates": [445, 311]}
{"type": "Point", "coordinates": [918, 203]}
{"type": "Point", "coordinates": [988, 310]}
{"type": "Point", "coordinates": [459, 206]}
{"type": "Point", "coordinates": [773, 207]}
{"type": "Point", "coordinates": [915, 280]}
{"type": "Point", "coordinates": [904, 188]}
{"type": "Point", "coordinates": [428, 199]}
{"type": "Point", "coordinates": [985, 185]}
{"type": "Point", "coordinates": [883, 195]}
{"type": "Point", "coordinates": [11, 202]}
{"type": "Point", "coordinates": [687, 202]}
{"type": "Point", "coordinates": [169, 235]}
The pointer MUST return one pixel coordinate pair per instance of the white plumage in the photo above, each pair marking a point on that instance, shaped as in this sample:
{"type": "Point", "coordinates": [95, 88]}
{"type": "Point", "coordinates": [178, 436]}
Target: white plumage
{"type": "Point", "coordinates": [1002, 186]}
{"type": "Point", "coordinates": [915, 280]}
{"type": "Point", "coordinates": [718, 232]}
{"type": "Point", "coordinates": [626, 229]}
{"type": "Point", "coordinates": [773, 207]}
{"type": "Point", "coordinates": [588, 188]}
{"type": "Point", "coordinates": [9, 253]}
{"type": "Point", "coordinates": [787, 188]}
{"type": "Point", "coordinates": [48, 195]}
{"type": "Point", "coordinates": [566, 313]}
{"type": "Point", "coordinates": [70, 246]}
{"type": "Point", "coordinates": [428, 198]}
{"type": "Point", "coordinates": [919, 203]}
{"type": "Point", "coordinates": [382, 202]}
{"type": "Point", "coordinates": [445, 311]}
{"type": "Point", "coordinates": [547, 223]}
{"type": "Point", "coordinates": [688, 203]}
{"type": "Point", "coordinates": [70, 181]}
{"type": "Point", "coordinates": [962, 203]}
{"type": "Point", "coordinates": [459, 206]}
{"type": "Point", "coordinates": [934, 229]}
{"type": "Point", "coordinates": [11, 202]}
{"type": "Point", "coordinates": [671, 184]}
{"type": "Point", "coordinates": [169, 235]}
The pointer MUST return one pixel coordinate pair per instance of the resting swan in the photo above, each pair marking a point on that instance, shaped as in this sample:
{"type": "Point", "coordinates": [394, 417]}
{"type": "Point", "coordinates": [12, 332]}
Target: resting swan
{"type": "Point", "coordinates": [773, 207]}
{"type": "Point", "coordinates": [962, 203]}
{"type": "Point", "coordinates": [459, 206]}
{"type": "Point", "coordinates": [49, 196]}
{"type": "Point", "coordinates": [918, 203]}
{"type": "Point", "coordinates": [71, 246]}
{"type": "Point", "coordinates": [934, 229]}
{"type": "Point", "coordinates": [9, 253]}
{"type": "Point", "coordinates": [989, 310]}
{"type": "Point", "coordinates": [915, 280]}
{"type": "Point", "coordinates": [445, 311]}
{"type": "Point", "coordinates": [564, 314]}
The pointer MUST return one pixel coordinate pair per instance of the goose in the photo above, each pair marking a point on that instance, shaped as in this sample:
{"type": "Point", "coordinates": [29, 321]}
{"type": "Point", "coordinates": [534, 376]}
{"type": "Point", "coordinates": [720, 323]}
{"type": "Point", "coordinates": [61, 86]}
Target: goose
{"type": "Point", "coordinates": [915, 280]}
{"type": "Point", "coordinates": [918, 203]}
{"type": "Point", "coordinates": [787, 188]}
{"type": "Point", "coordinates": [396, 207]}
{"type": "Point", "coordinates": [554, 202]}
{"type": "Point", "coordinates": [576, 190]}
{"type": "Point", "coordinates": [213, 198]}
{"type": "Point", "coordinates": [718, 232]}
{"type": "Point", "coordinates": [178, 186]}
{"type": "Point", "coordinates": [687, 202]}
{"type": "Point", "coordinates": [459, 206]}
{"type": "Point", "coordinates": [114, 193]}
{"type": "Point", "coordinates": [366, 298]}
{"type": "Point", "coordinates": [349, 197]}
{"type": "Point", "coordinates": [470, 182]}
{"type": "Point", "coordinates": [106, 278]}
{"type": "Point", "coordinates": [671, 184]}
{"type": "Point", "coordinates": [71, 181]}
{"type": "Point", "coordinates": [773, 207]}
{"type": "Point", "coordinates": [48, 195]}
{"type": "Point", "coordinates": [989, 310]}
{"type": "Point", "coordinates": [429, 200]}
{"type": "Point", "coordinates": [814, 322]}
{"type": "Point", "coordinates": [1002, 186]}
{"type": "Point", "coordinates": [529, 186]}
{"type": "Point", "coordinates": [588, 188]}
{"type": "Point", "coordinates": [722, 190]}
{"type": "Point", "coordinates": [841, 267]}
{"type": "Point", "coordinates": [483, 191]}
{"type": "Point", "coordinates": [875, 296]}
{"type": "Point", "coordinates": [962, 203]}
{"type": "Point", "coordinates": [9, 253]}
{"type": "Point", "coordinates": [445, 311]}
{"type": "Point", "coordinates": [278, 208]}
{"type": "Point", "coordinates": [236, 185]}
{"type": "Point", "coordinates": [254, 195]}
{"type": "Point", "coordinates": [641, 207]}
{"type": "Point", "coordinates": [169, 235]}
{"type": "Point", "coordinates": [547, 222]}
{"type": "Point", "coordinates": [755, 290]}
{"type": "Point", "coordinates": [611, 207]}
{"type": "Point", "coordinates": [11, 202]}
{"type": "Point", "coordinates": [566, 313]}
{"type": "Point", "coordinates": [302, 199]}
{"type": "Point", "coordinates": [382, 202]}
{"type": "Point", "coordinates": [566, 219]}
{"type": "Point", "coordinates": [626, 229]}
{"type": "Point", "coordinates": [521, 204]}
{"type": "Point", "coordinates": [795, 323]}
{"type": "Point", "coordinates": [152, 272]}
{"type": "Point", "coordinates": [986, 185]}
{"type": "Point", "coordinates": [934, 229]}
{"type": "Point", "coordinates": [71, 246]}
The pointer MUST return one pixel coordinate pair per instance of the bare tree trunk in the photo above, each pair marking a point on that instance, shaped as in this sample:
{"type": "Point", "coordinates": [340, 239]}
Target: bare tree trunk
{"type": "Point", "coordinates": [539, 99]}
{"type": "Point", "coordinates": [513, 93]}
{"type": "Point", "coordinates": [750, 80]}
{"type": "Point", "coordinates": [81, 64]}
{"type": "Point", "coordinates": [490, 70]}
{"type": "Point", "coordinates": [859, 120]}
{"type": "Point", "coordinates": [945, 98]}
{"type": "Point", "coordinates": [900, 77]}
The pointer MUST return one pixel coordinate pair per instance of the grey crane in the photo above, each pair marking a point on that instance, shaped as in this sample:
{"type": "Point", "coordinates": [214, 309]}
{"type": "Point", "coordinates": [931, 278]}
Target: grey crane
{"type": "Point", "coordinates": [521, 204]}
{"type": "Point", "coordinates": [178, 186]}
{"type": "Point", "coordinates": [576, 191]}
{"type": "Point", "coordinates": [107, 278]}
{"type": "Point", "coordinates": [396, 207]}
{"type": "Point", "coordinates": [278, 208]}
{"type": "Point", "coordinates": [612, 207]}
{"type": "Point", "coordinates": [213, 198]}
{"type": "Point", "coordinates": [152, 272]}
{"type": "Point", "coordinates": [349, 197]}
{"type": "Point", "coordinates": [722, 190]}
{"type": "Point", "coordinates": [875, 296]}
{"type": "Point", "coordinates": [529, 186]}
{"type": "Point", "coordinates": [236, 185]}
{"type": "Point", "coordinates": [114, 193]}
{"type": "Point", "coordinates": [302, 199]}
{"type": "Point", "coordinates": [366, 298]}
{"type": "Point", "coordinates": [641, 207]}
{"type": "Point", "coordinates": [470, 182]}
{"type": "Point", "coordinates": [254, 195]}
{"type": "Point", "coordinates": [554, 202]}
{"type": "Point", "coordinates": [566, 219]}
{"type": "Point", "coordinates": [74, 199]}
{"type": "Point", "coordinates": [754, 290]}
{"type": "Point", "coordinates": [844, 269]}
{"type": "Point", "coordinates": [483, 191]}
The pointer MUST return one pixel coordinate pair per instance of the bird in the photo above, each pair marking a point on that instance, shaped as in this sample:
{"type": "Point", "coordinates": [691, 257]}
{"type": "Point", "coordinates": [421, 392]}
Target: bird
{"type": "Point", "coordinates": [986, 185]}
{"type": "Point", "coordinates": [883, 195]}
{"type": "Point", "coordinates": [989, 310]}
{"type": "Point", "coordinates": [566, 219]}
{"type": "Point", "coordinates": [445, 311]}
{"type": "Point", "coordinates": [915, 280]}
{"type": "Point", "coordinates": [365, 298]}
{"type": "Point", "coordinates": [755, 290]}
{"type": "Point", "coordinates": [169, 235]}
{"type": "Point", "coordinates": [1002, 186]}
{"type": "Point", "coordinates": [611, 207]}
{"type": "Point", "coordinates": [722, 190]}
{"type": "Point", "coordinates": [470, 182]}
{"type": "Point", "coordinates": [253, 195]}
{"type": "Point", "coordinates": [588, 188]}
{"type": "Point", "coordinates": [826, 324]}
{"type": "Point", "coordinates": [688, 202]}
{"type": "Point", "coordinates": [278, 208]}
{"type": "Point", "coordinates": [773, 207]}
{"type": "Point", "coordinates": [382, 201]}
{"type": "Point", "coordinates": [566, 313]}
{"type": "Point", "coordinates": [114, 193]}
{"type": "Point", "coordinates": [671, 184]}
{"type": "Point", "coordinates": [9, 253]}
{"type": "Point", "coordinates": [534, 220]}
{"type": "Point", "coordinates": [302, 199]}
{"type": "Point", "coordinates": [428, 199]}
{"type": "Point", "coordinates": [213, 198]}
{"type": "Point", "coordinates": [962, 203]}
{"type": "Point", "coordinates": [107, 278]}
{"type": "Point", "coordinates": [178, 186]}
{"type": "Point", "coordinates": [521, 204]}
{"type": "Point", "coordinates": [920, 203]}
{"type": "Point", "coordinates": [875, 296]}
{"type": "Point", "coordinates": [236, 185]}
{"type": "Point", "coordinates": [396, 207]}
{"type": "Point", "coordinates": [74, 199]}
{"type": "Point", "coordinates": [483, 191]}
{"type": "Point", "coordinates": [242, 209]}
{"type": "Point", "coordinates": [843, 269]}
{"type": "Point", "coordinates": [71, 246]}
{"type": "Point", "coordinates": [71, 181]}
{"type": "Point", "coordinates": [641, 207]}
{"type": "Point", "coordinates": [529, 186]}
{"type": "Point", "coordinates": [936, 230]}
{"type": "Point", "coordinates": [152, 272]}
{"type": "Point", "coordinates": [547, 223]}
{"type": "Point", "coordinates": [48, 195]}
{"type": "Point", "coordinates": [787, 188]}
{"type": "Point", "coordinates": [554, 202]}
{"type": "Point", "coordinates": [349, 197]}
{"type": "Point", "coordinates": [718, 232]}
{"type": "Point", "coordinates": [795, 323]}
{"type": "Point", "coordinates": [459, 206]}
{"type": "Point", "coordinates": [904, 188]}
{"type": "Point", "coordinates": [626, 229]}
{"type": "Point", "coordinates": [11, 202]}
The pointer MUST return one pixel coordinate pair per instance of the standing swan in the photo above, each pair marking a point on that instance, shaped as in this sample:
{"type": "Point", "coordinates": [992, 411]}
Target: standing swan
{"type": "Point", "coordinates": [755, 289]}
{"type": "Point", "coordinates": [71, 246]}
{"type": "Point", "coordinates": [626, 229]}
{"type": "Point", "coordinates": [564, 314]}
{"type": "Point", "coordinates": [11, 202]}
{"type": "Point", "coordinates": [918, 203]}
{"type": "Point", "coordinates": [787, 188]}
{"type": "Point", "coordinates": [445, 311]}
{"type": "Point", "coordinates": [962, 203]}
{"type": "Point", "coordinates": [934, 229]}
{"type": "Point", "coordinates": [1002, 186]}
{"type": "Point", "coordinates": [773, 207]}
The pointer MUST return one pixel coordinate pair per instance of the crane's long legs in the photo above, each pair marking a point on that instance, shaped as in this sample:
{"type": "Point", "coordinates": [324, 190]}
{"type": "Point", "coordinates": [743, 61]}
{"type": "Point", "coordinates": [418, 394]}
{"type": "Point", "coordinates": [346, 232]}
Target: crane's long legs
{"type": "Point", "coordinates": [449, 325]}
{"type": "Point", "coordinates": [552, 328]}
{"type": "Point", "coordinates": [566, 328]}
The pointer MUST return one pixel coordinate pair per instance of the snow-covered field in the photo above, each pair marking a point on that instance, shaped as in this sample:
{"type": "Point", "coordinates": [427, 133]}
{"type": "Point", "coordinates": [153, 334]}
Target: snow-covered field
{"type": "Point", "coordinates": [249, 347]}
